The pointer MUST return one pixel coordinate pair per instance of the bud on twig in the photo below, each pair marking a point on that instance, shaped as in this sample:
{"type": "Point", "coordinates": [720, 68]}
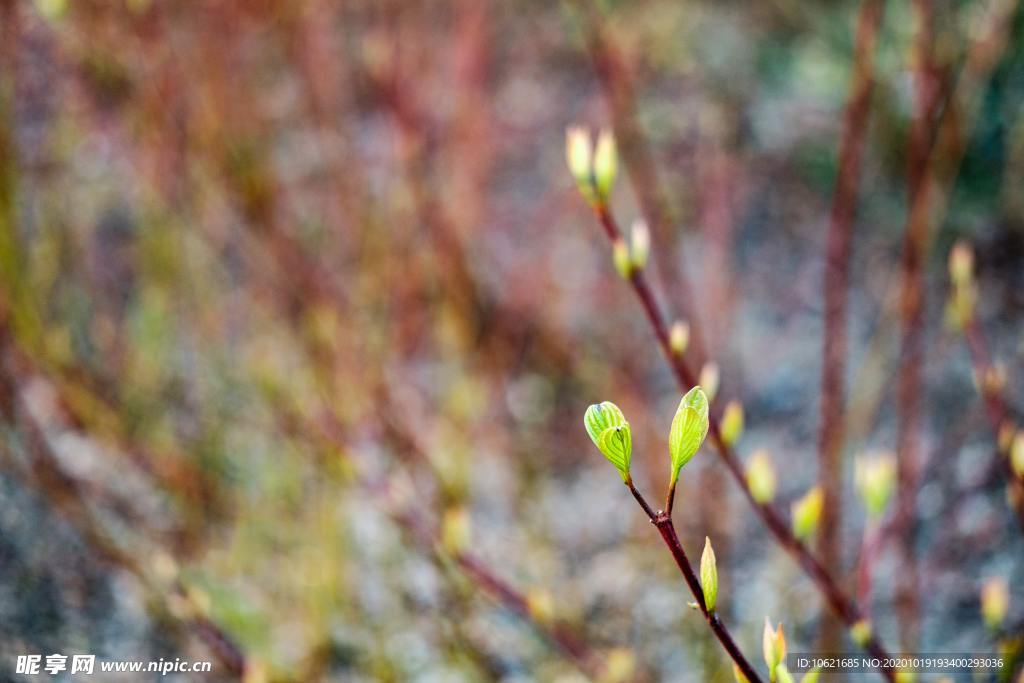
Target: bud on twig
{"type": "Point", "coordinates": [540, 605]}
{"type": "Point", "coordinates": [807, 513]}
{"type": "Point", "coordinates": [732, 422]}
{"type": "Point", "coordinates": [773, 644]}
{"type": "Point", "coordinates": [709, 575]}
{"type": "Point", "coordinates": [1017, 454]}
{"type": "Point", "coordinates": [761, 476]}
{"type": "Point", "coordinates": [961, 263]}
{"type": "Point", "coordinates": [579, 155]}
{"type": "Point", "coordinates": [621, 258]}
{"type": "Point", "coordinates": [689, 428]}
{"type": "Point", "coordinates": [455, 530]}
{"type": "Point", "coordinates": [709, 377]}
{"type": "Point", "coordinates": [605, 165]}
{"type": "Point", "coordinates": [640, 244]}
{"type": "Point", "coordinates": [860, 632]}
{"type": "Point", "coordinates": [995, 602]}
{"type": "Point", "coordinates": [610, 432]}
{"type": "Point", "coordinates": [875, 478]}
{"type": "Point", "coordinates": [679, 337]}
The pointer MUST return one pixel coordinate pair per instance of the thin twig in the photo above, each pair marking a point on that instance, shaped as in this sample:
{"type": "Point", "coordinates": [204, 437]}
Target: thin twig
{"type": "Point", "coordinates": [663, 522]}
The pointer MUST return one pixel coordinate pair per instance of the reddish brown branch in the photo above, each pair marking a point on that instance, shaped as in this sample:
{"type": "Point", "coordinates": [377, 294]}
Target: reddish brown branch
{"type": "Point", "coordinates": [663, 522]}
{"type": "Point", "coordinates": [837, 268]}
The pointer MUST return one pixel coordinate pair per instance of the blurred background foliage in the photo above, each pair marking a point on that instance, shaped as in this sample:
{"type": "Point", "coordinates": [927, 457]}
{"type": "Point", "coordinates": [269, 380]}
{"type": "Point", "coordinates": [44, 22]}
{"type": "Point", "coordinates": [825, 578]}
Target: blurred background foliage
{"type": "Point", "coordinates": [301, 312]}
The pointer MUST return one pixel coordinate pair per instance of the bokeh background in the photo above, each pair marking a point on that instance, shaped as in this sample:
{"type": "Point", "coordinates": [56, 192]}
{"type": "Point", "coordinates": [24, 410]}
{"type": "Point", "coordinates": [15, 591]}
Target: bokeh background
{"type": "Point", "coordinates": [301, 311]}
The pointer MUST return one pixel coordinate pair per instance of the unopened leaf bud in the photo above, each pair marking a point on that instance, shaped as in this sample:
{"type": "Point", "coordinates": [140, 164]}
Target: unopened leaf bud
{"type": "Point", "coordinates": [876, 479]}
{"type": "Point", "coordinates": [761, 477]}
{"type": "Point", "coordinates": [605, 165]}
{"type": "Point", "coordinates": [679, 337]}
{"type": "Point", "coordinates": [961, 263]}
{"type": "Point", "coordinates": [689, 428]}
{"type": "Point", "coordinates": [709, 378]}
{"type": "Point", "coordinates": [709, 575]}
{"type": "Point", "coordinates": [732, 422]}
{"type": "Point", "coordinates": [621, 258]}
{"type": "Point", "coordinates": [995, 602]}
{"type": "Point", "coordinates": [640, 244]}
{"type": "Point", "coordinates": [807, 513]}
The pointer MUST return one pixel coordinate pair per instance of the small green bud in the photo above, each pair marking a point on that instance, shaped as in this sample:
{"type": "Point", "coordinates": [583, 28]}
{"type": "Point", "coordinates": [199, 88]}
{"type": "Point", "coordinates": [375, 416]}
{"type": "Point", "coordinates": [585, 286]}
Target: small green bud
{"type": "Point", "coordinates": [605, 165]}
{"type": "Point", "coordinates": [1017, 454]}
{"type": "Point", "coordinates": [807, 513]}
{"type": "Point", "coordinates": [621, 258]}
{"type": "Point", "coordinates": [640, 244]}
{"type": "Point", "coordinates": [455, 530]}
{"type": "Point", "coordinates": [860, 632]}
{"type": "Point", "coordinates": [540, 605]}
{"type": "Point", "coordinates": [995, 602]}
{"type": "Point", "coordinates": [608, 429]}
{"type": "Point", "coordinates": [761, 476]}
{"type": "Point", "coordinates": [961, 264]}
{"type": "Point", "coordinates": [679, 337]}
{"type": "Point", "coordinates": [876, 479]}
{"type": "Point", "coordinates": [773, 644]}
{"type": "Point", "coordinates": [709, 575]}
{"type": "Point", "coordinates": [811, 676]}
{"type": "Point", "coordinates": [689, 428]}
{"type": "Point", "coordinates": [732, 422]}
{"type": "Point", "coordinates": [709, 377]}
{"type": "Point", "coordinates": [579, 155]}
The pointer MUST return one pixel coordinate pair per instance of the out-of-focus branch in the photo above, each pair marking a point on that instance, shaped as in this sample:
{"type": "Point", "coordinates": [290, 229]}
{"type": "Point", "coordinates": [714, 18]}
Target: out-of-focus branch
{"type": "Point", "coordinates": [931, 169]}
{"type": "Point", "coordinates": [837, 267]}
{"type": "Point", "coordinates": [65, 492]}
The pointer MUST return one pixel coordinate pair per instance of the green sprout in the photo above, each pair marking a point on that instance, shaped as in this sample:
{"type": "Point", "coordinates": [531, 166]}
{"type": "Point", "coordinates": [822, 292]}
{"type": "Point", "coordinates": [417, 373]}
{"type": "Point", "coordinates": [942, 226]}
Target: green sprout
{"type": "Point", "coordinates": [610, 432]}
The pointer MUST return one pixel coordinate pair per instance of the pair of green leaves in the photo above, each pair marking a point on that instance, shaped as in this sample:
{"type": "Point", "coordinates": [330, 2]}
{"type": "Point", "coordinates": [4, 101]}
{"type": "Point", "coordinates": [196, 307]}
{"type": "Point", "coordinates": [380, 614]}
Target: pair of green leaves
{"type": "Point", "coordinates": [610, 432]}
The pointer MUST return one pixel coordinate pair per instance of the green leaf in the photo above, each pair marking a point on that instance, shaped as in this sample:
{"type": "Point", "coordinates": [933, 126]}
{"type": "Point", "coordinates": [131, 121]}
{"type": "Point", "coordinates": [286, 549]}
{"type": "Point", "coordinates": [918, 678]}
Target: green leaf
{"type": "Point", "coordinates": [608, 429]}
{"type": "Point", "coordinates": [689, 428]}
{"type": "Point", "coordinates": [617, 446]}
{"type": "Point", "coordinates": [709, 575]}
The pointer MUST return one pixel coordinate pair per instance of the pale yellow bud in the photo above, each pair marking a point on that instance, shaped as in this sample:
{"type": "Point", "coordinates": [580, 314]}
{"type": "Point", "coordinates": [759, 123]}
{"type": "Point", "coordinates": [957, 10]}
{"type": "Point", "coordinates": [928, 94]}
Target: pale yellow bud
{"type": "Point", "coordinates": [961, 263]}
{"type": "Point", "coordinates": [605, 165]}
{"type": "Point", "coordinates": [995, 601]}
{"type": "Point", "coordinates": [876, 479]}
{"type": "Point", "coordinates": [709, 378]}
{"type": "Point", "coordinates": [455, 530]}
{"type": "Point", "coordinates": [761, 477]}
{"type": "Point", "coordinates": [640, 244]}
{"type": "Point", "coordinates": [732, 422]}
{"type": "Point", "coordinates": [679, 337]}
{"type": "Point", "coordinates": [621, 259]}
